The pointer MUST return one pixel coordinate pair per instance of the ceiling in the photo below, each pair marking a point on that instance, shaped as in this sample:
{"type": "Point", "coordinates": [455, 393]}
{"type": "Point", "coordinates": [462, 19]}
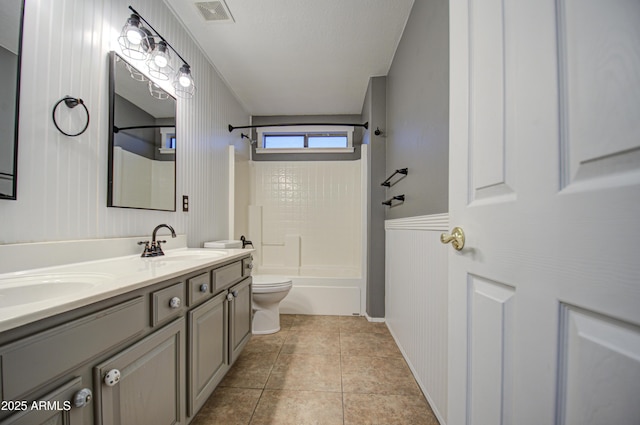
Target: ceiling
{"type": "Point", "coordinates": [299, 57]}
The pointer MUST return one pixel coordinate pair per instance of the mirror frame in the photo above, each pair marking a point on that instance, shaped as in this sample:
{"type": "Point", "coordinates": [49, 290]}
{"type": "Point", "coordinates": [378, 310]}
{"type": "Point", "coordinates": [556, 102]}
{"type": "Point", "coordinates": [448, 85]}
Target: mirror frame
{"type": "Point", "coordinates": [111, 123]}
{"type": "Point", "coordinates": [14, 195]}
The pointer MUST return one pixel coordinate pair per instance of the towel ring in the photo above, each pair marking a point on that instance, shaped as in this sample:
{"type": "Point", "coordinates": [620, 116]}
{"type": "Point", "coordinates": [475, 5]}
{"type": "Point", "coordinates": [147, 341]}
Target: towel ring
{"type": "Point", "coordinates": [71, 102]}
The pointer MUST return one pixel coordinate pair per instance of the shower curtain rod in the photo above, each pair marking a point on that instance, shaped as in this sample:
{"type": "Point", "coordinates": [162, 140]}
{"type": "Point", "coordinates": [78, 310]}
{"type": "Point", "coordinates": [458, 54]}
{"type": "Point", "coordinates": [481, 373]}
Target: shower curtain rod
{"type": "Point", "coordinates": [231, 128]}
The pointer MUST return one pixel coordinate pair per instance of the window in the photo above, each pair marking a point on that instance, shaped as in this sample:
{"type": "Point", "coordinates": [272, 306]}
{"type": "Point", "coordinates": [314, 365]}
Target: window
{"type": "Point", "coordinates": [280, 141]}
{"type": "Point", "coordinates": [294, 139]}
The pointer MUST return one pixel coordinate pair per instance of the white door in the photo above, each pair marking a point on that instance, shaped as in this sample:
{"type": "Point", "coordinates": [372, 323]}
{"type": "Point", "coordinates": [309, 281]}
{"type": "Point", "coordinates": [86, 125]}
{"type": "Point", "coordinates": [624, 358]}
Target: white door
{"type": "Point", "coordinates": [544, 297]}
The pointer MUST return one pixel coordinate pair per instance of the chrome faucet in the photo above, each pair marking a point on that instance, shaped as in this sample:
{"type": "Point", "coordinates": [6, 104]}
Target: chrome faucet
{"type": "Point", "coordinates": [155, 249]}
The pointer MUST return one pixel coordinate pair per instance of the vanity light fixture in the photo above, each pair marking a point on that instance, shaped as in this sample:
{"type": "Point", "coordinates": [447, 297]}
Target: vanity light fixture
{"type": "Point", "coordinates": [140, 43]}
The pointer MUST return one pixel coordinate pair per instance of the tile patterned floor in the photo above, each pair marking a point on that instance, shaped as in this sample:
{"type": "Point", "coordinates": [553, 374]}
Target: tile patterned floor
{"type": "Point", "coordinates": [321, 370]}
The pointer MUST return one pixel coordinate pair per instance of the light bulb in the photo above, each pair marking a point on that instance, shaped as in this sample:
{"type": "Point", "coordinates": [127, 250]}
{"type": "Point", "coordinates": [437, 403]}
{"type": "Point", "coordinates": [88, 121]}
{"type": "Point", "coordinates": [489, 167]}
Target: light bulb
{"type": "Point", "coordinates": [134, 36]}
{"type": "Point", "coordinates": [184, 81]}
{"type": "Point", "coordinates": [160, 60]}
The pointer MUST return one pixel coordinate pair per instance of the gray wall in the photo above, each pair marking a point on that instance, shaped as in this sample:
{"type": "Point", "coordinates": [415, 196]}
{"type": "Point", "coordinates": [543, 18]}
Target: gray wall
{"type": "Point", "coordinates": [374, 111]}
{"type": "Point", "coordinates": [284, 119]}
{"type": "Point", "coordinates": [418, 112]}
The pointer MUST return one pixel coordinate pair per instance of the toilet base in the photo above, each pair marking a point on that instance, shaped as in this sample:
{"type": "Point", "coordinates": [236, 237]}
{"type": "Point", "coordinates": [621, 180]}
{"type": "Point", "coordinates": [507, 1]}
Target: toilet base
{"type": "Point", "coordinates": [265, 322]}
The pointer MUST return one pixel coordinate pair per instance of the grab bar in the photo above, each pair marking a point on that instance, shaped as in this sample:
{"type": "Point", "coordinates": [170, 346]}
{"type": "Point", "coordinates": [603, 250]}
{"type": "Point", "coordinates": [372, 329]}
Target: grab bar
{"type": "Point", "coordinates": [387, 182]}
{"type": "Point", "coordinates": [389, 202]}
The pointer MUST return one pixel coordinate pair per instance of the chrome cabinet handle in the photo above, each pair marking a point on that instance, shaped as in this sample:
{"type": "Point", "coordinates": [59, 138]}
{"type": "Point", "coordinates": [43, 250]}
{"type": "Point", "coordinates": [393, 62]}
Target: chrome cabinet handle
{"type": "Point", "coordinates": [175, 302]}
{"type": "Point", "coordinates": [249, 266]}
{"type": "Point", "coordinates": [82, 397]}
{"type": "Point", "coordinates": [204, 287]}
{"type": "Point", "coordinates": [229, 296]}
{"type": "Point", "coordinates": [456, 238]}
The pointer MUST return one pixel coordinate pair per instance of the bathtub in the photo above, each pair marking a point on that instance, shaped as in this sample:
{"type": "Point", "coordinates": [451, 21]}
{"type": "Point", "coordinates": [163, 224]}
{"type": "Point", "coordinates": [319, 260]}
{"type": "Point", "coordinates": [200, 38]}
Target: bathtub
{"type": "Point", "coordinates": [342, 296]}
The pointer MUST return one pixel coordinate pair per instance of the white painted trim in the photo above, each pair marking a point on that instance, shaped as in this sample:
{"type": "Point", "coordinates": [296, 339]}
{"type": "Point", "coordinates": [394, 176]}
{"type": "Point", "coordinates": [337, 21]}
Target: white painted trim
{"type": "Point", "coordinates": [305, 150]}
{"type": "Point", "coordinates": [375, 319]}
{"type": "Point", "coordinates": [434, 222]}
{"type": "Point", "coordinates": [364, 221]}
{"type": "Point", "coordinates": [231, 152]}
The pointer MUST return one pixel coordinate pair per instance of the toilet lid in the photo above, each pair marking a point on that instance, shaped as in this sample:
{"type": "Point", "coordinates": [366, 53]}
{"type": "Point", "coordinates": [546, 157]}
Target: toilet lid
{"type": "Point", "coordinates": [270, 281]}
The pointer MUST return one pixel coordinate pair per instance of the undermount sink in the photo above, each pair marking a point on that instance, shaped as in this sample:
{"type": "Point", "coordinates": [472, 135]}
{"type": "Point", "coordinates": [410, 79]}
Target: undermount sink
{"type": "Point", "coordinates": [20, 290]}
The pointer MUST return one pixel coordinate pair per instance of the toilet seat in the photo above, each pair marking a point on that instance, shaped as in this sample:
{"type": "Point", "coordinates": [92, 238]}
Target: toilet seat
{"type": "Point", "coordinates": [270, 283]}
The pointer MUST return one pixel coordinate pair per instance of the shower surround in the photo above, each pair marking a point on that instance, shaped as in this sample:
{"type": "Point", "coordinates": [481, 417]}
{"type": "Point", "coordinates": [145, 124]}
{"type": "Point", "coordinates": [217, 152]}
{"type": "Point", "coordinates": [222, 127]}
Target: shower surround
{"type": "Point", "coordinates": [306, 221]}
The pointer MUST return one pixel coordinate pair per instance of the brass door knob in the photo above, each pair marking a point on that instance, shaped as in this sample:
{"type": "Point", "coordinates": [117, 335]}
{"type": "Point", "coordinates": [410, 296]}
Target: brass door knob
{"type": "Point", "coordinates": [456, 238]}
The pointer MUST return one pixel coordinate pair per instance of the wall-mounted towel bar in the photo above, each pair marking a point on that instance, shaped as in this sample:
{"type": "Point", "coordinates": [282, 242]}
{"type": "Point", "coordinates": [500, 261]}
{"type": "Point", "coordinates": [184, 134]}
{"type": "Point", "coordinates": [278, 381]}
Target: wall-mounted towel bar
{"type": "Point", "coordinates": [387, 182]}
{"type": "Point", "coordinates": [389, 202]}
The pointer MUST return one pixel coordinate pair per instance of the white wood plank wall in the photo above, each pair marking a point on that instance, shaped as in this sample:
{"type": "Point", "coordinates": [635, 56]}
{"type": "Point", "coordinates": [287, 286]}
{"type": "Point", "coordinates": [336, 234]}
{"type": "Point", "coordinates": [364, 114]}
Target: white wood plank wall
{"type": "Point", "coordinates": [62, 181]}
{"type": "Point", "coordinates": [416, 300]}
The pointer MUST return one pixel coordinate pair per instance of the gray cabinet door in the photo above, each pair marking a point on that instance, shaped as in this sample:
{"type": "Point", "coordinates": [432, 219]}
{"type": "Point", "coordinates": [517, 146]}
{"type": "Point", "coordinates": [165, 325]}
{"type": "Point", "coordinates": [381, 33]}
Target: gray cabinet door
{"type": "Point", "coordinates": [151, 386]}
{"type": "Point", "coordinates": [208, 350]}
{"type": "Point", "coordinates": [240, 314]}
{"type": "Point", "coordinates": [56, 408]}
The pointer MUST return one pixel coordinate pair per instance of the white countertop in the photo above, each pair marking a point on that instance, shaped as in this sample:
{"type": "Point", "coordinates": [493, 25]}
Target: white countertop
{"type": "Point", "coordinates": [31, 295]}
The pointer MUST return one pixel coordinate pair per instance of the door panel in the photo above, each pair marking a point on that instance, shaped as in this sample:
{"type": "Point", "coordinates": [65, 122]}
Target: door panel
{"type": "Point", "coordinates": [491, 308]}
{"type": "Point", "coordinates": [545, 181]}
{"type": "Point", "coordinates": [487, 102]}
{"type": "Point", "coordinates": [599, 374]}
{"type": "Point", "coordinates": [601, 89]}
{"type": "Point", "coordinates": [151, 388]}
{"type": "Point", "coordinates": [208, 342]}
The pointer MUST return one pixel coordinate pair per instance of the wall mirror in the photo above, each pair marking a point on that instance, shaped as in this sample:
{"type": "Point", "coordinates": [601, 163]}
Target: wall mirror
{"type": "Point", "coordinates": [142, 141]}
{"type": "Point", "coordinates": [11, 16]}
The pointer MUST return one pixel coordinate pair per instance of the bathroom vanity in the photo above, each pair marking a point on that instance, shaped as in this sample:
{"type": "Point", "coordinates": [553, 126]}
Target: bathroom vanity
{"type": "Point", "coordinates": [150, 350]}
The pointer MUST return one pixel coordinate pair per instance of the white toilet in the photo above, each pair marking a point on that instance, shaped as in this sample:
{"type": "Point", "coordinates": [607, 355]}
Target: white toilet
{"type": "Point", "coordinates": [268, 291]}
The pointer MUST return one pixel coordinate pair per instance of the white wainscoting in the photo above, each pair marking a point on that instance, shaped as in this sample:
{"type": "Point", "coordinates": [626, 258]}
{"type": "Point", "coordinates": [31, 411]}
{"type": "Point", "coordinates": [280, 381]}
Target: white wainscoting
{"type": "Point", "coordinates": [416, 300]}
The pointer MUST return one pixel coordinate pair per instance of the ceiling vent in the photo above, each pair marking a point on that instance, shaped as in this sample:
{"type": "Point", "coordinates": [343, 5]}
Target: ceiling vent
{"type": "Point", "coordinates": [215, 11]}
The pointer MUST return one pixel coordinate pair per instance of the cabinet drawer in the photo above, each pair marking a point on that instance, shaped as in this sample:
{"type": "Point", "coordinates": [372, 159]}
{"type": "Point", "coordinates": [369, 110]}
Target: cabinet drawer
{"type": "Point", "coordinates": [167, 303]}
{"type": "Point", "coordinates": [199, 287]}
{"type": "Point", "coordinates": [38, 359]}
{"type": "Point", "coordinates": [247, 266]}
{"type": "Point", "coordinates": [227, 275]}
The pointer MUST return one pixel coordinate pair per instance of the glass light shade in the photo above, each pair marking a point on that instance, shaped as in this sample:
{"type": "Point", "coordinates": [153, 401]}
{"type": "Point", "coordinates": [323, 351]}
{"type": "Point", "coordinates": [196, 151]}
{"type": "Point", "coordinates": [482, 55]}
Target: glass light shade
{"type": "Point", "coordinates": [183, 83]}
{"type": "Point", "coordinates": [159, 61]}
{"type": "Point", "coordinates": [161, 55]}
{"type": "Point", "coordinates": [160, 73]}
{"type": "Point", "coordinates": [135, 40]}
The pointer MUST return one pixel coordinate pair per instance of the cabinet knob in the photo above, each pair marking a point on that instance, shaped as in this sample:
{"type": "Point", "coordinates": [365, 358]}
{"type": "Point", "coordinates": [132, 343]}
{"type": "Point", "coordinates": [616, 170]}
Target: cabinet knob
{"type": "Point", "coordinates": [112, 377]}
{"type": "Point", "coordinates": [204, 287]}
{"type": "Point", "coordinates": [229, 296]}
{"type": "Point", "coordinates": [175, 302]}
{"type": "Point", "coordinates": [250, 266]}
{"type": "Point", "coordinates": [82, 397]}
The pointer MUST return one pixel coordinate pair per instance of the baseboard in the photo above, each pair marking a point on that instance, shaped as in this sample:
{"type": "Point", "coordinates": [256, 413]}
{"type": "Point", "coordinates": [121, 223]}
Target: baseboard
{"type": "Point", "coordinates": [374, 319]}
